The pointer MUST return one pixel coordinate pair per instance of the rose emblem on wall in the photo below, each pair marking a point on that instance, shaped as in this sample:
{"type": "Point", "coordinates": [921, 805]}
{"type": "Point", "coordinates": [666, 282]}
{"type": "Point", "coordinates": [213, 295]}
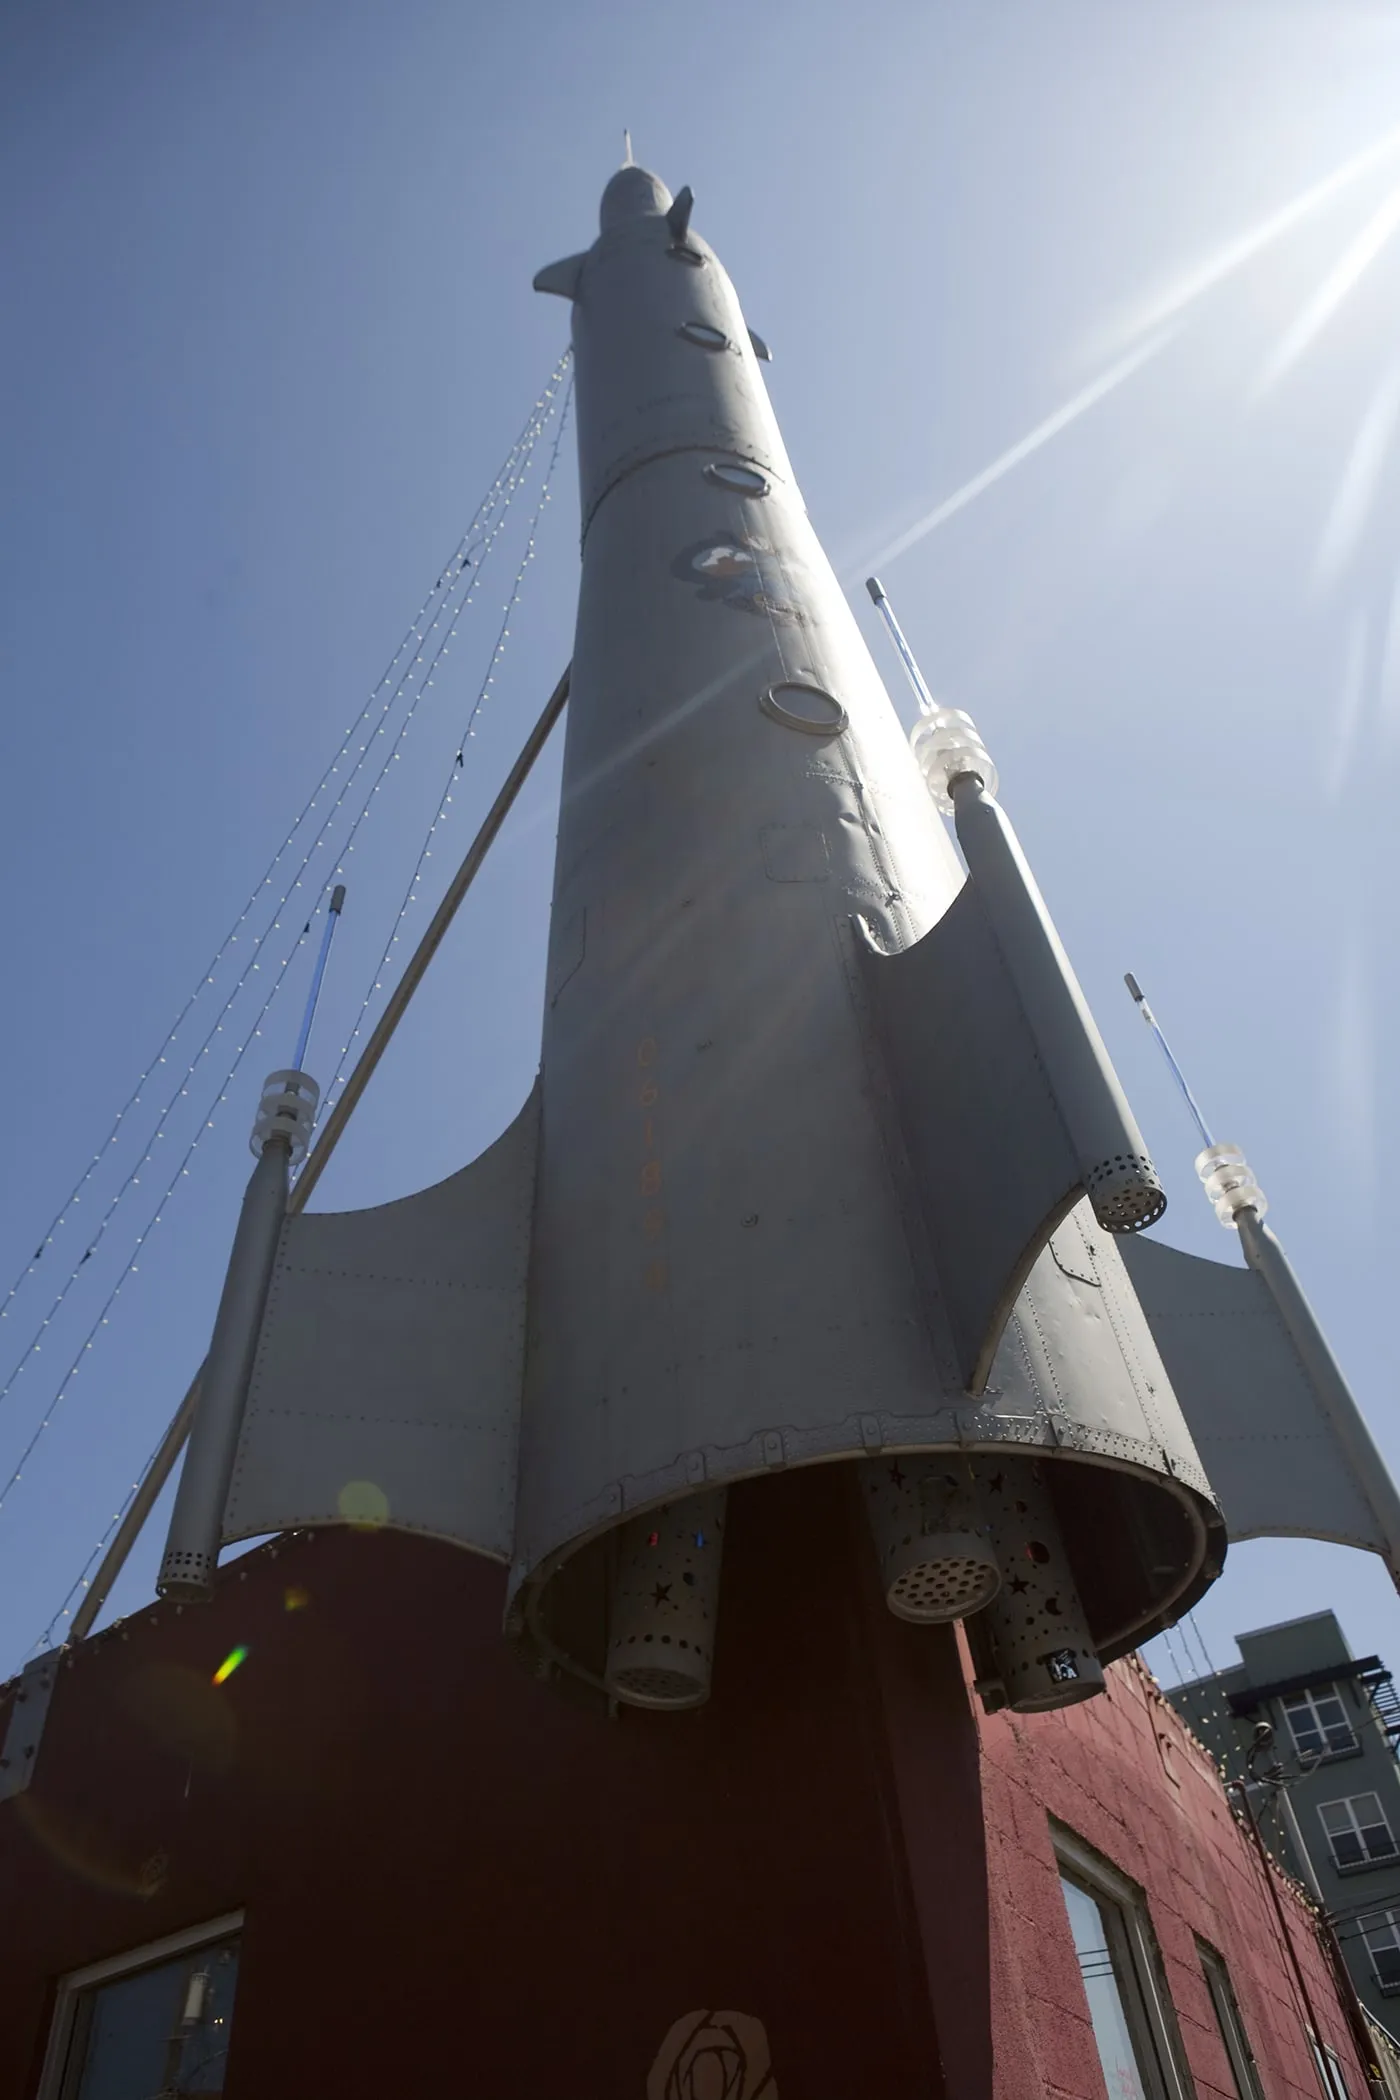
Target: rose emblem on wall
{"type": "Point", "coordinates": [713, 2056]}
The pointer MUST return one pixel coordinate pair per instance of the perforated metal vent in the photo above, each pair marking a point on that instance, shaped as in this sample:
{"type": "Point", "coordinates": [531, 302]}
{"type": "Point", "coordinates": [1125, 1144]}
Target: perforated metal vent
{"type": "Point", "coordinates": [944, 1589]}
{"type": "Point", "coordinates": [647, 1687]}
{"type": "Point", "coordinates": [936, 1561]}
{"type": "Point", "coordinates": [665, 1592]}
{"type": "Point", "coordinates": [1125, 1192]}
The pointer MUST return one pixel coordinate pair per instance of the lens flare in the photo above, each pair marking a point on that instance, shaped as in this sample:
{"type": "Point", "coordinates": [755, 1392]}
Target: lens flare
{"type": "Point", "coordinates": [1341, 280]}
{"type": "Point", "coordinates": [1069, 412]}
{"type": "Point", "coordinates": [1172, 299]}
{"type": "Point", "coordinates": [229, 1664]}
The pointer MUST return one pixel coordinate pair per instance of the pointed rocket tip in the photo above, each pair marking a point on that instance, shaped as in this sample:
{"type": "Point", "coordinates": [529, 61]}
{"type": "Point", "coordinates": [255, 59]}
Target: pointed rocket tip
{"type": "Point", "coordinates": [633, 193]}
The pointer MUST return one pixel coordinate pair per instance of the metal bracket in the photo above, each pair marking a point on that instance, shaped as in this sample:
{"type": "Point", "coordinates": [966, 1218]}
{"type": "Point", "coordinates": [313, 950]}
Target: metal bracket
{"type": "Point", "coordinates": [28, 1711]}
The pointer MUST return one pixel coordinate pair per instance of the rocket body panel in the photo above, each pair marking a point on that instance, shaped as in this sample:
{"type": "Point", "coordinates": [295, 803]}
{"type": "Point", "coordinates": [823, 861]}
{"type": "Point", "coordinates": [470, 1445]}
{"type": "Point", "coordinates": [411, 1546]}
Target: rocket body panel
{"type": "Point", "coordinates": [726, 1275]}
{"type": "Point", "coordinates": [709, 1247]}
{"type": "Point", "coordinates": [664, 362]}
{"type": "Point", "coordinates": [387, 1383]}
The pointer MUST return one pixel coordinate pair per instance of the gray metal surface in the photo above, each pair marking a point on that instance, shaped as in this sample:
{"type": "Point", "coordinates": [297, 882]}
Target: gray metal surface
{"type": "Point", "coordinates": [387, 1385]}
{"type": "Point", "coordinates": [1007, 1101]}
{"type": "Point", "coordinates": [192, 1544]}
{"type": "Point", "coordinates": [24, 1727]}
{"type": "Point", "coordinates": [1261, 1425]}
{"type": "Point", "coordinates": [730, 1273]}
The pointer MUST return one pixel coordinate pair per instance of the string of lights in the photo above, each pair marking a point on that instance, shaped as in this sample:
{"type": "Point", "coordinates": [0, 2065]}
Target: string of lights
{"type": "Point", "coordinates": [461, 562]}
{"type": "Point", "coordinates": [410, 895]}
{"type": "Point", "coordinates": [84, 1574]}
{"type": "Point", "coordinates": [507, 485]}
{"type": "Point", "coordinates": [503, 493]}
{"type": "Point", "coordinates": [132, 1265]}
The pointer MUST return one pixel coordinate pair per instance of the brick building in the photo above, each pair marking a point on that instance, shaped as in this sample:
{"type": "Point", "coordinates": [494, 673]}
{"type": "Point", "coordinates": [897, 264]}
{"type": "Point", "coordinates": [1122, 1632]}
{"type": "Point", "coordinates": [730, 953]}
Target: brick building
{"type": "Point", "coordinates": [379, 1857]}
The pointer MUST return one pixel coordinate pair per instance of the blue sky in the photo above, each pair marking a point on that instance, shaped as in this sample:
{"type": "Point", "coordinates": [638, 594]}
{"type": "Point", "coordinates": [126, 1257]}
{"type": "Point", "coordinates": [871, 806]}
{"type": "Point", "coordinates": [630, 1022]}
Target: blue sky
{"type": "Point", "coordinates": [270, 336]}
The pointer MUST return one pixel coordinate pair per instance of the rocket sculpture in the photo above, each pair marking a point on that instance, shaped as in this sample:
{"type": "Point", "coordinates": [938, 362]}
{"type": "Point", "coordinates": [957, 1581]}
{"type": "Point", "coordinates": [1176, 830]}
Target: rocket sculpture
{"type": "Point", "coordinates": [826, 1161]}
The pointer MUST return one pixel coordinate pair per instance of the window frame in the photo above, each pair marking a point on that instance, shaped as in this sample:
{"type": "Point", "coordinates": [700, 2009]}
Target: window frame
{"type": "Point", "coordinates": [1309, 1696]}
{"type": "Point", "coordinates": [1234, 2035]}
{"type": "Point", "coordinates": [1368, 1858]}
{"type": "Point", "coordinates": [73, 1987]}
{"type": "Point", "coordinates": [1147, 2007]}
{"type": "Point", "coordinates": [1328, 2066]}
{"type": "Point", "coordinates": [1391, 1920]}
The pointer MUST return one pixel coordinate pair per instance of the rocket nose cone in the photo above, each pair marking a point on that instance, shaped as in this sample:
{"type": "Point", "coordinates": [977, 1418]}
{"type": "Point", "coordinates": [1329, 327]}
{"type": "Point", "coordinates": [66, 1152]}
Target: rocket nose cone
{"type": "Point", "coordinates": [633, 194]}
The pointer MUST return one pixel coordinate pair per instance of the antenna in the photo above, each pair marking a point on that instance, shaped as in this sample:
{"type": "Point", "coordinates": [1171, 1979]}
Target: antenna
{"type": "Point", "coordinates": [1225, 1173]}
{"type": "Point", "coordinates": [318, 975]}
{"type": "Point", "coordinates": [627, 160]}
{"type": "Point", "coordinates": [1166, 1049]}
{"type": "Point", "coordinates": [906, 655]}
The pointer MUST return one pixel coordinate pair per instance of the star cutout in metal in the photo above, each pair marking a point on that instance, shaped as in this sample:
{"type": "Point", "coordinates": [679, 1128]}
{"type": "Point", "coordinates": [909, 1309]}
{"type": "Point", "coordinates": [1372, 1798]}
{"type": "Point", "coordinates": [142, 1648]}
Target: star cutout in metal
{"type": "Point", "coordinates": [662, 1593]}
{"type": "Point", "coordinates": [1018, 1584]}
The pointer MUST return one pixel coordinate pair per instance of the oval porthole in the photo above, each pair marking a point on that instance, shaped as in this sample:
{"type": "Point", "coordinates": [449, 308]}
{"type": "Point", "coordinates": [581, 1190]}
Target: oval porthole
{"type": "Point", "coordinates": [798, 705]}
{"type": "Point", "coordinates": [703, 336]}
{"type": "Point", "coordinates": [745, 481]}
{"type": "Point", "coordinates": [679, 252]}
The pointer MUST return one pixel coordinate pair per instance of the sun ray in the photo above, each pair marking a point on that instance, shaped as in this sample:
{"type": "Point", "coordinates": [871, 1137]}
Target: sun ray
{"type": "Point", "coordinates": [1340, 281]}
{"type": "Point", "coordinates": [1069, 412]}
{"type": "Point", "coordinates": [1356, 491]}
{"type": "Point", "coordinates": [1185, 290]}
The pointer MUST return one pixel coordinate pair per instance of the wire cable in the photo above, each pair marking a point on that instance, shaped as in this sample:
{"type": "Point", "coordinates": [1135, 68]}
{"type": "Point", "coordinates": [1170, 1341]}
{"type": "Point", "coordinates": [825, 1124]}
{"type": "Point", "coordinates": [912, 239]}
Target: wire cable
{"type": "Point", "coordinates": [446, 581]}
{"type": "Point", "coordinates": [508, 486]}
{"type": "Point", "coordinates": [445, 800]}
{"type": "Point", "coordinates": [539, 419]}
{"type": "Point", "coordinates": [132, 1265]}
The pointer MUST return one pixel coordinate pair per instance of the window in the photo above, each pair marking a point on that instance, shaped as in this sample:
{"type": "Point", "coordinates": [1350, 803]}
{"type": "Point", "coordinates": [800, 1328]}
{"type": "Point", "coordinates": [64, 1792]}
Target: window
{"type": "Point", "coordinates": [157, 2020]}
{"type": "Point", "coordinates": [1329, 2070]}
{"type": "Point", "coordinates": [1129, 2011]}
{"type": "Point", "coordinates": [1380, 1929]}
{"type": "Point", "coordinates": [1243, 2069]}
{"type": "Point", "coordinates": [1357, 1831]}
{"type": "Point", "coordinates": [1318, 1723]}
{"type": "Point", "coordinates": [701, 332]}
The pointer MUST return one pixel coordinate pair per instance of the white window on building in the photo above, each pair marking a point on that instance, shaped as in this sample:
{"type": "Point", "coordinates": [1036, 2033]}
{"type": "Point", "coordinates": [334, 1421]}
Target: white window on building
{"type": "Point", "coordinates": [1357, 1831]}
{"type": "Point", "coordinates": [154, 2021]}
{"type": "Point", "coordinates": [1380, 1929]}
{"type": "Point", "coordinates": [1318, 1722]}
{"type": "Point", "coordinates": [1329, 2070]}
{"type": "Point", "coordinates": [1243, 2069]}
{"type": "Point", "coordinates": [1130, 2013]}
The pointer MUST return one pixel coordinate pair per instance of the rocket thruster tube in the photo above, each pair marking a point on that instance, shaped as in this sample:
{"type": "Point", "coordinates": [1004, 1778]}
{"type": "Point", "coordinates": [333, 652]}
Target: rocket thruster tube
{"type": "Point", "coordinates": [196, 1525]}
{"type": "Point", "coordinates": [1036, 1622]}
{"type": "Point", "coordinates": [665, 1597]}
{"type": "Point", "coordinates": [1119, 1177]}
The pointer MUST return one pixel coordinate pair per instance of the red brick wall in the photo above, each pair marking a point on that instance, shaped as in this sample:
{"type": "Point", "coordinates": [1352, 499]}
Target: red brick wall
{"type": "Point", "coordinates": [458, 1882]}
{"type": "Point", "coordinates": [1123, 1773]}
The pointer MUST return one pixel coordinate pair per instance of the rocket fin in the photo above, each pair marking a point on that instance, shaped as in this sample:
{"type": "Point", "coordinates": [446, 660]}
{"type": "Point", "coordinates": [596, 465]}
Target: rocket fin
{"type": "Point", "coordinates": [992, 1158]}
{"type": "Point", "coordinates": [1272, 1445]}
{"type": "Point", "coordinates": [389, 1371]}
{"type": "Point", "coordinates": [561, 277]}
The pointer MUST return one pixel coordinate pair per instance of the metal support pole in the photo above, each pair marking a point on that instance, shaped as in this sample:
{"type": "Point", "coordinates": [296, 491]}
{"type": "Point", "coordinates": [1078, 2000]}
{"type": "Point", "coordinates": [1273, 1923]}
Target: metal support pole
{"type": "Point", "coordinates": [427, 948]}
{"type": "Point", "coordinates": [196, 1524]}
{"type": "Point", "coordinates": [142, 1503]}
{"type": "Point", "coordinates": [171, 1445]}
